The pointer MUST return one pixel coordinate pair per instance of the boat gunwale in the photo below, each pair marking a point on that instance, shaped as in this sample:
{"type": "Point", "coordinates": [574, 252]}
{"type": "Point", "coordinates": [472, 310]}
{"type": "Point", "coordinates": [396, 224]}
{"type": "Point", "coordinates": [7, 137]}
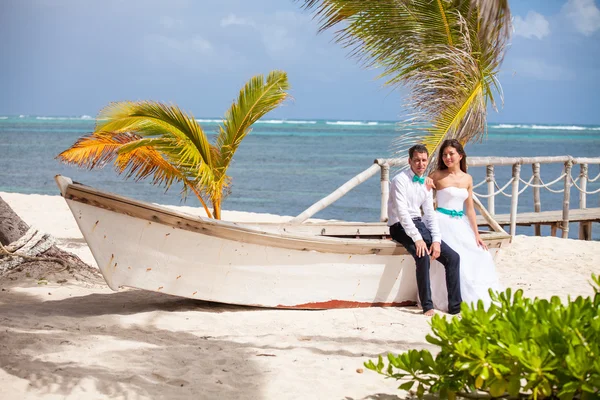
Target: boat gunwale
{"type": "Point", "coordinates": [239, 231]}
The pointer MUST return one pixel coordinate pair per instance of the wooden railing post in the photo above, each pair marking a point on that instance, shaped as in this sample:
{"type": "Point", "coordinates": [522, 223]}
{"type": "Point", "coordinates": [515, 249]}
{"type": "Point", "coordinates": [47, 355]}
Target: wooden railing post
{"type": "Point", "coordinates": [490, 185]}
{"type": "Point", "coordinates": [385, 191]}
{"type": "Point", "coordinates": [585, 228]}
{"type": "Point", "coordinates": [537, 203]}
{"type": "Point", "coordinates": [567, 199]}
{"type": "Point", "coordinates": [514, 201]}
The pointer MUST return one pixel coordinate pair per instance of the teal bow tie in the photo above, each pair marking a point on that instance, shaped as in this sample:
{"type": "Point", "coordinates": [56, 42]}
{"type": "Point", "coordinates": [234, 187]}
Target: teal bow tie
{"type": "Point", "coordinates": [420, 179]}
{"type": "Point", "coordinates": [452, 213]}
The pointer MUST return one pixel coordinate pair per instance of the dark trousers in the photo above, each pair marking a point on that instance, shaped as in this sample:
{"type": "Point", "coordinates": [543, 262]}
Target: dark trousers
{"type": "Point", "coordinates": [448, 257]}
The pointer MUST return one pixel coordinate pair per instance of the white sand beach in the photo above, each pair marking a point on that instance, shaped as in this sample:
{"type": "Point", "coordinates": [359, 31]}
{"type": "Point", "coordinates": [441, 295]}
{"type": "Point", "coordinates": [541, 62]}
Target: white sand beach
{"type": "Point", "coordinates": [80, 340]}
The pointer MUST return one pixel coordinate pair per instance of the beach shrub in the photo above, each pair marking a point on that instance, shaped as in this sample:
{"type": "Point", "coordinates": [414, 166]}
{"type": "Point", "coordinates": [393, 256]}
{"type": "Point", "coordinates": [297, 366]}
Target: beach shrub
{"type": "Point", "coordinates": [518, 348]}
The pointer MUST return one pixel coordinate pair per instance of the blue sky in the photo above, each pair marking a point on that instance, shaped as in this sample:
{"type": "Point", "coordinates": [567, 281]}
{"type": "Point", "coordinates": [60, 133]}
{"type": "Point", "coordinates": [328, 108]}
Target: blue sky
{"type": "Point", "coordinates": [72, 57]}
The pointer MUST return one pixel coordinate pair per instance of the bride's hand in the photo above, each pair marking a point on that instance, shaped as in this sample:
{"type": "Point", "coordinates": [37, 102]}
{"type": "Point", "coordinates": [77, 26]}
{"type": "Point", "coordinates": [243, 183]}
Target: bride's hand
{"type": "Point", "coordinates": [429, 183]}
{"type": "Point", "coordinates": [480, 243]}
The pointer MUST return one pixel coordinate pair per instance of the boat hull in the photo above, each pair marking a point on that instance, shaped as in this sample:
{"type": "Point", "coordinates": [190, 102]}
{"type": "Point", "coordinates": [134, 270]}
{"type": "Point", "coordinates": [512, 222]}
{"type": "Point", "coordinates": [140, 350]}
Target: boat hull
{"type": "Point", "coordinates": [141, 254]}
{"type": "Point", "coordinates": [145, 246]}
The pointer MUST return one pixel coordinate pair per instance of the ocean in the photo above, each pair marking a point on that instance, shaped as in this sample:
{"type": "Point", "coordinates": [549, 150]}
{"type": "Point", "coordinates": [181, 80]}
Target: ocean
{"type": "Point", "coordinates": [284, 166]}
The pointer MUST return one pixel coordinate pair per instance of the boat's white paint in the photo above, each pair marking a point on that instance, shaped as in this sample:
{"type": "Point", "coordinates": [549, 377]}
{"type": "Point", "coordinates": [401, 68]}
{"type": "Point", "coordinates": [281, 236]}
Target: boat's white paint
{"type": "Point", "coordinates": [145, 246]}
{"type": "Point", "coordinates": [146, 255]}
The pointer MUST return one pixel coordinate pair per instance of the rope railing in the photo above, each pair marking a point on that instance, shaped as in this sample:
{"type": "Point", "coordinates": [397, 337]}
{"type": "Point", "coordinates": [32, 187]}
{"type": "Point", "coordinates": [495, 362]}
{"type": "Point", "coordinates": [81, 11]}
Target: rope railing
{"type": "Point", "coordinates": [529, 184]}
{"type": "Point", "coordinates": [583, 190]}
{"type": "Point", "coordinates": [485, 196]}
{"type": "Point", "coordinates": [578, 182]}
{"type": "Point", "coordinates": [535, 182]}
{"type": "Point", "coordinates": [519, 185]}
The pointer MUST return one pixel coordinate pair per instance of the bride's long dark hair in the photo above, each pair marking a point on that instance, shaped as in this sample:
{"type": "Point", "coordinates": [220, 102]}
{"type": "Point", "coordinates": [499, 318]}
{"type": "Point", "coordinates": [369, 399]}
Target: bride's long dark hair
{"type": "Point", "coordinates": [459, 149]}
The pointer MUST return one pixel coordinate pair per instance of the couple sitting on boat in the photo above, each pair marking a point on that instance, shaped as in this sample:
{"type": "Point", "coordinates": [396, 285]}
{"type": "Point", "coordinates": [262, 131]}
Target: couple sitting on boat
{"type": "Point", "coordinates": [453, 264]}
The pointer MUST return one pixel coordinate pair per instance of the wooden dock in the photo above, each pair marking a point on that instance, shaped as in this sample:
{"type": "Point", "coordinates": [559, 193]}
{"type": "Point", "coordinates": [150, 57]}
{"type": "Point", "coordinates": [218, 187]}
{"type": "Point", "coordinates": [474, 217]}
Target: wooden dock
{"type": "Point", "coordinates": [554, 219]}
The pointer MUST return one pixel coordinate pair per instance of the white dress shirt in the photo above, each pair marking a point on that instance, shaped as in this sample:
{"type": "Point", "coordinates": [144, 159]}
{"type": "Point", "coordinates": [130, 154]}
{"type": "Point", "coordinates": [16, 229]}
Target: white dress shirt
{"type": "Point", "coordinates": [406, 198]}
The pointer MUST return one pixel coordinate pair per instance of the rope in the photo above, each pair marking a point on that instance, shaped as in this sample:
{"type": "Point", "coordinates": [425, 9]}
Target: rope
{"type": "Point", "coordinates": [32, 243]}
{"type": "Point", "coordinates": [480, 183]}
{"type": "Point", "coordinates": [583, 191]}
{"type": "Point", "coordinates": [498, 191]}
{"type": "Point", "coordinates": [544, 185]}
{"type": "Point", "coordinates": [510, 195]}
{"type": "Point", "coordinates": [595, 179]}
{"type": "Point", "coordinates": [524, 187]}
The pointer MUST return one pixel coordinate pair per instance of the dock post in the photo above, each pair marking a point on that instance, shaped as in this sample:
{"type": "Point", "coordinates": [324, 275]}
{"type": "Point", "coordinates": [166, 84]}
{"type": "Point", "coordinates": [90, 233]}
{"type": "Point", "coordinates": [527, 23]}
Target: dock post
{"type": "Point", "coordinates": [490, 185]}
{"type": "Point", "coordinates": [585, 231]}
{"type": "Point", "coordinates": [537, 204]}
{"type": "Point", "coordinates": [514, 201]}
{"type": "Point", "coordinates": [385, 191]}
{"type": "Point", "coordinates": [566, 199]}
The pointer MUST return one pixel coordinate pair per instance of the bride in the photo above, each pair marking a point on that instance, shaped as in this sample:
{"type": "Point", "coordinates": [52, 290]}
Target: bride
{"type": "Point", "coordinates": [459, 230]}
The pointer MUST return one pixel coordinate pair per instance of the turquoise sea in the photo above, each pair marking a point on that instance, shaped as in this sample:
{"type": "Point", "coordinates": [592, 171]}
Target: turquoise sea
{"type": "Point", "coordinates": [284, 166]}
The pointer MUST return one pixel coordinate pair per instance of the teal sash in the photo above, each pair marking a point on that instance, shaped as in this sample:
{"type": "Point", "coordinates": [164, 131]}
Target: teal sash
{"type": "Point", "coordinates": [452, 213]}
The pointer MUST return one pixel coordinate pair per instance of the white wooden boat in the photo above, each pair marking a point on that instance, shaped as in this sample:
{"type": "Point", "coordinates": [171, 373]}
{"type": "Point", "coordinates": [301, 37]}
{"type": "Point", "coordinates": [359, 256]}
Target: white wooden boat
{"type": "Point", "coordinates": [305, 266]}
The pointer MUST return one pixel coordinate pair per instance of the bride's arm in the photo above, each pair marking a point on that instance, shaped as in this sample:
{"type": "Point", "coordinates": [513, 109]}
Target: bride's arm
{"type": "Point", "coordinates": [470, 209]}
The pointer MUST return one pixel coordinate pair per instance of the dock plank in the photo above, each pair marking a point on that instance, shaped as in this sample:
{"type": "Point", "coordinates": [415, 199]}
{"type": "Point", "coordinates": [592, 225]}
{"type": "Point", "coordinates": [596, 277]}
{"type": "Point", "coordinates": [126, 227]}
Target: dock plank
{"type": "Point", "coordinates": [546, 217]}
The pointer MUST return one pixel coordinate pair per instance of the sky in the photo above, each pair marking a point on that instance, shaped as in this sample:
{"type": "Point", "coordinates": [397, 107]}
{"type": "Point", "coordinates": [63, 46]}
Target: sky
{"type": "Point", "coordinates": [73, 57]}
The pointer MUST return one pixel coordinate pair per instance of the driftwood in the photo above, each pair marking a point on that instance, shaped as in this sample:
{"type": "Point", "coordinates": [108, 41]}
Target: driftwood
{"type": "Point", "coordinates": [52, 260]}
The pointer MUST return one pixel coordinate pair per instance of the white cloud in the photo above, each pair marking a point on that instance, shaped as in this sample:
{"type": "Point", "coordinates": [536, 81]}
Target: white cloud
{"type": "Point", "coordinates": [541, 70]}
{"type": "Point", "coordinates": [584, 15]}
{"type": "Point", "coordinates": [232, 19]}
{"type": "Point", "coordinates": [534, 24]}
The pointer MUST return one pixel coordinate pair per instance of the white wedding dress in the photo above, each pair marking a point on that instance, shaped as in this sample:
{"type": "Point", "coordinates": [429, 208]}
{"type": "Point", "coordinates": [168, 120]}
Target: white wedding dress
{"type": "Point", "coordinates": [477, 270]}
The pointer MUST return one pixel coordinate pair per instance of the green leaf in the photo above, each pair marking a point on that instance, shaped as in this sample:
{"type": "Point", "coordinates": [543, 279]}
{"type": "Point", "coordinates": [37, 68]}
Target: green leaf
{"type": "Point", "coordinates": [380, 364]}
{"type": "Point", "coordinates": [369, 365]}
{"type": "Point", "coordinates": [407, 385]}
{"type": "Point", "coordinates": [420, 391]}
{"type": "Point", "coordinates": [498, 387]}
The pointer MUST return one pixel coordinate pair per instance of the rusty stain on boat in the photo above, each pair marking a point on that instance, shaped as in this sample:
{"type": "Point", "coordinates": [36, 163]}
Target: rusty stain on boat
{"type": "Point", "coordinates": [148, 269]}
{"type": "Point", "coordinates": [194, 293]}
{"type": "Point", "coordinates": [160, 287]}
{"type": "Point", "coordinates": [178, 277]}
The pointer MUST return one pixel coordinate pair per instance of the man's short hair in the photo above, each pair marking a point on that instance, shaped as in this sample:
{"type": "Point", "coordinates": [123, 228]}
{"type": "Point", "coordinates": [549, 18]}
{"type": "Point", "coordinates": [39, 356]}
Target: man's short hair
{"type": "Point", "coordinates": [417, 148]}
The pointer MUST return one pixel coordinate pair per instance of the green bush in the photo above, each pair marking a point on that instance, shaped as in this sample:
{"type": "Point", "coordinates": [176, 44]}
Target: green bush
{"type": "Point", "coordinates": [518, 348]}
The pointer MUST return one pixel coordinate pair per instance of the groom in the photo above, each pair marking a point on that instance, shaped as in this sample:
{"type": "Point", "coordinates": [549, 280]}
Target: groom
{"type": "Point", "coordinates": [421, 235]}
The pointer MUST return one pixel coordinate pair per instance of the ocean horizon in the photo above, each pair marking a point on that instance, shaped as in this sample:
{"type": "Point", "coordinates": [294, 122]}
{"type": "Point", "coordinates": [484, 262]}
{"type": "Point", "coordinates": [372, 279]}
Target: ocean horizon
{"type": "Point", "coordinates": [286, 165]}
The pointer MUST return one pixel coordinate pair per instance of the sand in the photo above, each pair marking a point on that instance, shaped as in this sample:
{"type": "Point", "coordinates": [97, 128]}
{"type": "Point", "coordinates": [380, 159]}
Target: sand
{"type": "Point", "coordinates": [80, 340]}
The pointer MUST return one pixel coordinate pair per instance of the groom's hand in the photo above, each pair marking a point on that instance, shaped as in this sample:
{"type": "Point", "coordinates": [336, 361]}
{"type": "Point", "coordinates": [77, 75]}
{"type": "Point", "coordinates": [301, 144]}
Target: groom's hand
{"type": "Point", "coordinates": [421, 248]}
{"type": "Point", "coordinates": [435, 250]}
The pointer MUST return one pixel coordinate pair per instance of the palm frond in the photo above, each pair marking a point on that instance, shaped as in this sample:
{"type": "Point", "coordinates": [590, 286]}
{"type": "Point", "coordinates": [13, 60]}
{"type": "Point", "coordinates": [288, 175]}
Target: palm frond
{"type": "Point", "coordinates": [448, 52]}
{"type": "Point", "coordinates": [256, 99]}
{"type": "Point", "coordinates": [97, 149]}
{"type": "Point", "coordinates": [154, 119]}
{"type": "Point", "coordinates": [148, 158]}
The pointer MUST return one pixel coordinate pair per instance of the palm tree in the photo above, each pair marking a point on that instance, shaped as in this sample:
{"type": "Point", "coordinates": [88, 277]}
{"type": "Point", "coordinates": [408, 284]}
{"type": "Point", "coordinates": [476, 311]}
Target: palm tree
{"type": "Point", "coordinates": [448, 52]}
{"type": "Point", "coordinates": [154, 139]}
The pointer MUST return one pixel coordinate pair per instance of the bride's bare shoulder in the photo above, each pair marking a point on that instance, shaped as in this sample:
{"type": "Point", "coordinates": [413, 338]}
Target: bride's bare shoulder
{"type": "Point", "coordinates": [437, 174]}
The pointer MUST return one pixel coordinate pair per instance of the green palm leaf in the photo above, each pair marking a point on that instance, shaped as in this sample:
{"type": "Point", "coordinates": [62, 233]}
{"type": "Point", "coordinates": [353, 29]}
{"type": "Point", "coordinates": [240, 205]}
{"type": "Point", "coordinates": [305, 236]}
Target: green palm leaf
{"type": "Point", "coordinates": [256, 98]}
{"type": "Point", "coordinates": [447, 52]}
